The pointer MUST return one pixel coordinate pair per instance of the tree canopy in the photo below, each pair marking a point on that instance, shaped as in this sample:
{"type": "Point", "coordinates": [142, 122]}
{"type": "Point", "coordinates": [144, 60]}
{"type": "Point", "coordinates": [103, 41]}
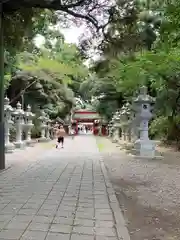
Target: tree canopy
{"type": "Point", "coordinates": [138, 43]}
{"type": "Point", "coordinates": [83, 9]}
{"type": "Point", "coordinates": [47, 77]}
{"type": "Point", "coordinates": [140, 46]}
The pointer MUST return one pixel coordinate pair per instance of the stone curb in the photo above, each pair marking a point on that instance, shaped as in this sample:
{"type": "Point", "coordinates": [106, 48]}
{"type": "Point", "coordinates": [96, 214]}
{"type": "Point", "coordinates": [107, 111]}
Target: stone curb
{"type": "Point", "coordinates": [121, 228]}
{"type": "Point", "coordinates": [4, 170]}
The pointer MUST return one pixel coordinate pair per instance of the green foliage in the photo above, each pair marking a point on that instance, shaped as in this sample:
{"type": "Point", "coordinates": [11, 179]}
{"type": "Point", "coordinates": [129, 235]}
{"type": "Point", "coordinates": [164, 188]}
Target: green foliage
{"type": "Point", "coordinates": [141, 47]}
{"type": "Point", "coordinates": [159, 127]}
{"type": "Point", "coordinates": [46, 77]}
{"type": "Point", "coordinates": [44, 67]}
{"type": "Point", "coordinates": [22, 26]}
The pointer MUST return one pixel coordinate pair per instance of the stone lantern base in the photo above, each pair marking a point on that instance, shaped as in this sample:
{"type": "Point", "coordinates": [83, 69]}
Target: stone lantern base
{"type": "Point", "coordinates": [128, 146]}
{"type": "Point", "coordinates": [9, 148]}
{"type": "Point", "coordinates": [114, 139]}
{"type": "Point", "coordinates": [145, 149]}
{"type": "Point", "coordinates": [43, 139]}
{"type": "Point", "coordinates": [19, 144]}
{"type": "Point", "coordinates": [29, 143]}
{"type": "Point", "coordinates": [115, 136]}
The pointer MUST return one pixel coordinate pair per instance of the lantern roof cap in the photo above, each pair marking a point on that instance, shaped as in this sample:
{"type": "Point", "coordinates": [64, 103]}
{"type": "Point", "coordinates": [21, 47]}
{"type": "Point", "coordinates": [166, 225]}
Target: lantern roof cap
{"type": "Point", "coordinates": [7, 106]}
{"type": "Point", "coordinates": [144, 96]}
{"type": "Point", "coordinates": [18, 110]}
{"type": "Point", "coordinates": [28, 112]}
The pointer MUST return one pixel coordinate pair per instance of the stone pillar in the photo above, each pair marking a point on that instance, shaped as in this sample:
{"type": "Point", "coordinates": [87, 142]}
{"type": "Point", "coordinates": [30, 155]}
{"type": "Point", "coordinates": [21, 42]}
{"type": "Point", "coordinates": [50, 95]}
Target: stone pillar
{"type": "Point", "coordinates": [8, 110]}
{"type": "Point", "coordinates": [43, 123]}
{"type": "Point", "coordinates": [47, 130]}
{"type": "Point", "coordinates": [77, 127]}
{"type": "Point", "coordinates": [69, 130]}
{"type": "Point", "coordinates": [52, 135]}
{"type": "Point", "coordinates": [144, 146]}
{"type": "Point", "coordinates": [120, 132]}
{"type": "Point", "coordinates": [129, 131]}
{"type": "Point", "coordinates": [110, 129]}
{"type": "Point", "coordinates": [28, 117]}
{"type": "Point", "coordinates": [125, 122]}
{"type": "Point", "coordinates": [116, 126]}
{"type": "Point", "coordinates": [100, 130]}
{"type": "Point", "coordinates": [123, 133]}
{"type": "Point", "coordinates": [114, 138]}
{"type": "Point", "coordinates": [126, 135]}
{"type": "Point", "coordinates": [134, 134]}
{"type": "Point", "coordinates": [19, 123]}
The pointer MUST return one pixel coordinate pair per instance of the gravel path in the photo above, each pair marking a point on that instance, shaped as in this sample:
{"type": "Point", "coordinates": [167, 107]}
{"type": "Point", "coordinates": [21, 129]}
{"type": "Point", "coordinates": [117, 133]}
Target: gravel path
{"type": "Point", "coordinates": [148, 191]}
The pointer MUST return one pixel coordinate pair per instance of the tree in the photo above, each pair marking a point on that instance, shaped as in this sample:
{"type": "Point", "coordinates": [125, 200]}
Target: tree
{"type": "Point", "coordinates": [32, 15]}
{"type": "Point", "coordinates": [141, 46]}
{"type": "Point", "coordinates": [83, 9]}
{"type": "Point", "coordinates": [45, 78]}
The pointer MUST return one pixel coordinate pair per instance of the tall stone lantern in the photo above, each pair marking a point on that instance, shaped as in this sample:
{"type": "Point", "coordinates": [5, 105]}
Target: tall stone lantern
{"type": "Point", "coordinates": [48, 129]}
{"type": "Point", "coordinates": [126, 122]}
{"type": "Point", "coordinates": [43, 125]}
{"type": "Point", "coordinates": [144, 146]}
{"type": "Point", "coordinates": [135, 122]}
{"type": "Point", "coordinates": [28, 117]}
{"type": "Point", "coordinates": [110, 129]}
{"type": "Point", "coordinates": [116, 126]}
{"type": "Point", "coordinates": [112, 126]}
{"type": "Point", "coordinates": [8, 110]}
{"type": "Point", "coordinates": [19, 123]}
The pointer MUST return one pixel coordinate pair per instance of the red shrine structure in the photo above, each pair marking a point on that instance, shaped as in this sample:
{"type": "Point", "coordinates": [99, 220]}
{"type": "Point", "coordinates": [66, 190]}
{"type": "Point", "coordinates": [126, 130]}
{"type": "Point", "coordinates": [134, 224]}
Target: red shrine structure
{"type": "Point", "coordinates": [90, 119]}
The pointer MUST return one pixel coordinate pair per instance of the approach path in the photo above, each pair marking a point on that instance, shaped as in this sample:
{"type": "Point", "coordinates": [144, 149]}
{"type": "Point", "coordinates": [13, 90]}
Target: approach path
{"type": "Point", "coordinates": [60, 194]}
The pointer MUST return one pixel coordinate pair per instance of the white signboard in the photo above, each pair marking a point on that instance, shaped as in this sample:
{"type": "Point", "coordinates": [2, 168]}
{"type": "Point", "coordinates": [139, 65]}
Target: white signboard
{"type": "Point", "coordinates": [86, 116]}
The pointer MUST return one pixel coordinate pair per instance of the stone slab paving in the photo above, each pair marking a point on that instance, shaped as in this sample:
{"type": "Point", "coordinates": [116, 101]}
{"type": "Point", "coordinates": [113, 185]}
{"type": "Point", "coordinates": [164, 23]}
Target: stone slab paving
{"type": "Point", "coordinates": [65, 194]}
{"type": "Point", "coordinates": [21, 156]}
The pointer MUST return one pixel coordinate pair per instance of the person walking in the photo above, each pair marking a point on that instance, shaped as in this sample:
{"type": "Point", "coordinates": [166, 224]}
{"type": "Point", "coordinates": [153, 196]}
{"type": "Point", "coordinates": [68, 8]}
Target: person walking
{"type": "Point", "coordinates": [60, 134]}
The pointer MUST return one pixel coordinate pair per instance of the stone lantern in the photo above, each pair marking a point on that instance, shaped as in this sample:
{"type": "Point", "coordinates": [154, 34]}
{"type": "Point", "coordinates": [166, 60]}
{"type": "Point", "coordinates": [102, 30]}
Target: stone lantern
{"type": "Point", "coordinates": [48, 128]}
{"type": "Point", "coordinates": [8, 110]}
{"type": "Point", "coordinates": [116, 126]}
{"type": "Point", "coordinates": [134, 123]}
{"type": "Point", "coordinates": [112, 126]}
{"type": "Point", "coordinates": [123, 120]}
{"type": "Point", "coordinates": [110, 129]}
{"type": "Point", "coordinates": [144, 146]}
{"type": "Point", "coordinates": [126, 122]}
{"type": "Point", "coordinates": [43, 125]}
{"type": "Point", "coordinates": [19, 123]}
{"type": "Point", "coordinates": [28, 117]}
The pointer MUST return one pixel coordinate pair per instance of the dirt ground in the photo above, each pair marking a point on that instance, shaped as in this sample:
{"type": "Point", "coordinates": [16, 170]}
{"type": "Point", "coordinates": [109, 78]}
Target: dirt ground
{"type": "Point", "coordinates": [148, 191]}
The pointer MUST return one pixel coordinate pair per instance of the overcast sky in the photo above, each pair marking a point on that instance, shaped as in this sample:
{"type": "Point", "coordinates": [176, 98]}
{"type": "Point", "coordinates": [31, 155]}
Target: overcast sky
{"type": "Point", "coordinates": [71, 35]}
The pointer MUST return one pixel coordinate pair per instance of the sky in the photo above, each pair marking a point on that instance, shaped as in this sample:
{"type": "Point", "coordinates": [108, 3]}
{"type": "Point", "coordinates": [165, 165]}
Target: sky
{"type": "Point", "coordinates": [71, 36]}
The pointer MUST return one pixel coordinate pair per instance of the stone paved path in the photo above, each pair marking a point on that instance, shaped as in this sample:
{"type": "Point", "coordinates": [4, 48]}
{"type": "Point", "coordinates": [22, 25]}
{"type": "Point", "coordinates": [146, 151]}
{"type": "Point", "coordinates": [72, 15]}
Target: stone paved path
{"type": "Point", "coordinates": [60, 194]}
